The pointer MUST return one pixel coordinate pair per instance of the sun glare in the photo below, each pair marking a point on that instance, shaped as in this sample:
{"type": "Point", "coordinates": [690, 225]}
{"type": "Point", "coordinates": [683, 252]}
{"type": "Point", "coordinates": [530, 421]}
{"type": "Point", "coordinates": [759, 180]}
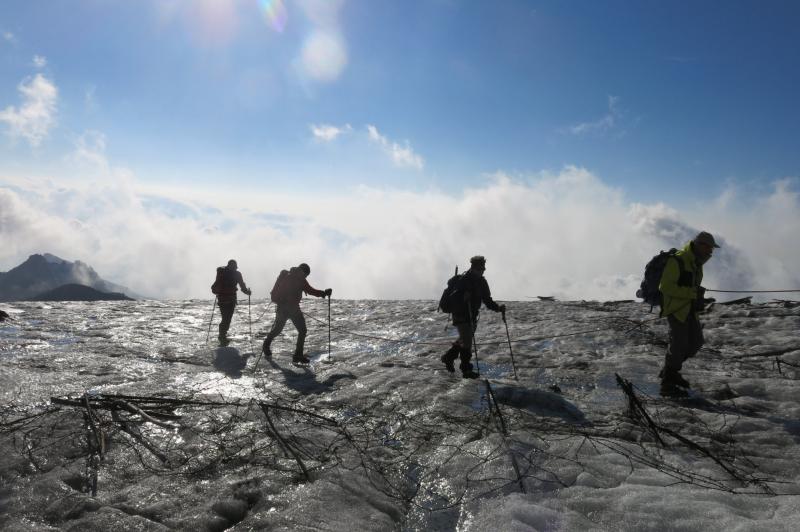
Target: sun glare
{"type": "Point", "coordinates": [275, 13]}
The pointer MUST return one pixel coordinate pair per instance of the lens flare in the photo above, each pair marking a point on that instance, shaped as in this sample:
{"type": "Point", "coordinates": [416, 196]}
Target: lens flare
{"type": "Point", "coordinates": [276, 14]}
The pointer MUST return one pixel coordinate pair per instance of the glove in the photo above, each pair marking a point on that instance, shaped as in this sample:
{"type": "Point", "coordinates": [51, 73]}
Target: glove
{"type": "Point", "coordinates": [328, 292]}
{"type": "Point", "coordinates": [503, 309]}
{"type": "Point", "coordinates": [247, 291]}
{"type": "Point", "coordinates": [699, 304]}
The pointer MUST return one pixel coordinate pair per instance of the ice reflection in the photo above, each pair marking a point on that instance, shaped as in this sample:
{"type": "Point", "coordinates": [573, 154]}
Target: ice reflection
{"type": "Point", "coordinates": [409, 443]}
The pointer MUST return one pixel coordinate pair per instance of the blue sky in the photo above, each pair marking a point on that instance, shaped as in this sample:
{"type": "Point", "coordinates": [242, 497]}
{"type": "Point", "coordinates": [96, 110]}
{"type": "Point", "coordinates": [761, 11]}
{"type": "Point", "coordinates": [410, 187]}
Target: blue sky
{"type": "Point", "coordinates": [673, 102]}
{"type": "Point", "coordinates": [695, 93]}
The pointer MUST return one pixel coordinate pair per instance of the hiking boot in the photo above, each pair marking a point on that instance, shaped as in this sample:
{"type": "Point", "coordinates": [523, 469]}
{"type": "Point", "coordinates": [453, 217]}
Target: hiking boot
{"type": "Point", "coordinates": [300, 359]}
{"type": "Point", "coordinates": [673, 377]}
{"type": "Point", "coordinates": [224, 340]}
{"type": "Point", "coordinates": [450, 356]}
{"type": "Point", "coordinates": [672, 390]}
{"type": "Point", "coordinates": [448, 363]}
{"type": "Point", "coordinates": [266, 349]}
{"type": "Point", "coordinates": [680, 381]}
{"type": "Point", "coordinates": [467, 372]}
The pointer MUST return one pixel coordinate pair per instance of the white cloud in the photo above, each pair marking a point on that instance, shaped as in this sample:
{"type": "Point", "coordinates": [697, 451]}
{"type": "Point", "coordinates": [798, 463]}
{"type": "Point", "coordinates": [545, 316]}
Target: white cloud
{"type": "Point", "coordinates": [608, 121]}
{"type": "Point", "coordinates": [39, 61]}
{"type": "Point", "coordinates": [36, 116]}
{"type": "Point", "coordinates": [566, 234]}
{"type": "Point", "coordinates": [9, 37]}
{"type": "Point", "coordinates": [327, 132]}
{"type": "Point", "coordinates": [401, 155]}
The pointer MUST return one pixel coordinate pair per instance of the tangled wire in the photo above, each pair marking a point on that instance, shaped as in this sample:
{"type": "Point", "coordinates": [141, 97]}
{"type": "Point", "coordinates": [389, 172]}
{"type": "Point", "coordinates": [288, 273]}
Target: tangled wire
{"type": "Point", "coordinates": [422, 458]}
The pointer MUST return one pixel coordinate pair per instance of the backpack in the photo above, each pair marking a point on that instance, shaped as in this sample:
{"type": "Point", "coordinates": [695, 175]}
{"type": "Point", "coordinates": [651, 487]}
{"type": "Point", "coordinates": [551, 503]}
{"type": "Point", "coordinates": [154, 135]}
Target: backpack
{"type": "Point", "coordinates": [648, 290]}
{"type": "Point", "coordinates": [278, 294]}
{"type": "Point", "coordinates": [225, 282]}
{"type": "Point", "coordinates": [215, 287]}
{"type": "Point", "coordinates": [452, 299]}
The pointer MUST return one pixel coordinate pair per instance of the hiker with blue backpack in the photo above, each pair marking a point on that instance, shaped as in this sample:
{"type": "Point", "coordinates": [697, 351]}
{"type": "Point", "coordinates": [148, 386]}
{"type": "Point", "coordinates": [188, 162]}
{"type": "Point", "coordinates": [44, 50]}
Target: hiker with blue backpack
{"type": "Point", "coordinates": [463, 297]}
{"type": "Point", "coordinates": [682, 298]}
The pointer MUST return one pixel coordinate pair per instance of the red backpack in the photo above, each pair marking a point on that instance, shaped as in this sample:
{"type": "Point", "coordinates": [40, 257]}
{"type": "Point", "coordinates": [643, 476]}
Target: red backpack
{"type": "Point", "coordinates": [279, 292]}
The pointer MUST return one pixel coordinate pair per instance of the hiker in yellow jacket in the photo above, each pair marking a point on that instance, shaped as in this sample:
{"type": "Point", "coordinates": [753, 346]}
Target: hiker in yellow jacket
{"type": "Point", "coordinates": [682, 299]}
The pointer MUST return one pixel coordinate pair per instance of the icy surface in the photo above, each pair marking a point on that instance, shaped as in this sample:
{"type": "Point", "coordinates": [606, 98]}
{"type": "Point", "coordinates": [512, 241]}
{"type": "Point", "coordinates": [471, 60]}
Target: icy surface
{"type": "Point", "coordinates": [388, 439]}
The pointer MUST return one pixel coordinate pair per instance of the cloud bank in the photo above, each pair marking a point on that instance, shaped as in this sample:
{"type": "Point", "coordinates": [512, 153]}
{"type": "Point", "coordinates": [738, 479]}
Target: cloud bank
{"type": "Point", "coordinates": [566, 234]}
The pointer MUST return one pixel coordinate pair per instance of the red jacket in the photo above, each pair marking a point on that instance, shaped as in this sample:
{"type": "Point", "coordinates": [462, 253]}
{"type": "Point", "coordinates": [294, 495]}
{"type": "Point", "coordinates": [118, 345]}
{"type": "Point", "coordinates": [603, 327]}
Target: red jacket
{"type": "Point", "coordinates": [291, 288]}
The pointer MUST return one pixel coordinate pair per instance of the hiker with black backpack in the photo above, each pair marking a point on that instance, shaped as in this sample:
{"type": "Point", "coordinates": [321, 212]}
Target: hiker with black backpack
{"type": "Point", "coordinates": [462, 298]}
{"type": "Point", "coordinates": [681, 299]}
{"type": "Point", "coordinates": [224, 287]}
{"type": "Point", "coordinates": [286, 294]}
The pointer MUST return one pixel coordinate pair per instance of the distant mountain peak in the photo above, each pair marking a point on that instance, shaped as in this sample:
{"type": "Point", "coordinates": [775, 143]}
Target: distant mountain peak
{"type": "Point", "coordinates": [41, 273]}
{"type": "Point", "coordinates": [79, 292]}
{"type": "Point", "coordinates": [52, 259]}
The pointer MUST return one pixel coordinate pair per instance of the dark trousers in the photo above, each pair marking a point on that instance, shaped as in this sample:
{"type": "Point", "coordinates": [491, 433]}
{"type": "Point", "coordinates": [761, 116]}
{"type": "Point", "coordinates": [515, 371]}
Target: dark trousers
{"type": "Point", "coordinates": [685, 340]}
{"type": "Point", "coordinates": [282, 315]}
{"type": "Point", "coordinates": [226, 308]}
{"type": "Point", "coordinates": [463, 347]}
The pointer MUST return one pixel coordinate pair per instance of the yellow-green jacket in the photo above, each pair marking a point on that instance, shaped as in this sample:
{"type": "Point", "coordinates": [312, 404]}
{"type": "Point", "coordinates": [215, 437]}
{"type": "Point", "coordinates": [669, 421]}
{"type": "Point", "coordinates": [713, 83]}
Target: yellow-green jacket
{"type": "Point", "coordinates": [679, 288]}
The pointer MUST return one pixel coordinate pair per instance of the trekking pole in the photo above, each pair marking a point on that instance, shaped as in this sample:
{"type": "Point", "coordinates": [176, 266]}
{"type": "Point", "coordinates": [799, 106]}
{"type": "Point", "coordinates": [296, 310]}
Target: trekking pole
{"type": "Point", "coordinates": [472, 325]}
{"type": "Point", "coordinates": [329, 328]}
{"type": "Point", "coordinates": [508, 337]}
{"type": "Point", "coordinates": [211, 319]}
{"type": "Point", "coordinates": [255, 366]}
{"type": "Point", "coordinates": [257, 361]}
{"type": "Point", "coordinates": [250, 323]}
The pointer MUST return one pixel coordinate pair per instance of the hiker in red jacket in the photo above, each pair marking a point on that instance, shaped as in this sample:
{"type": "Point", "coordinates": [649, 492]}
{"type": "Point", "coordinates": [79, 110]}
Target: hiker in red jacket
{"type": "Point", "coordinates": [287, 293]}
{"type": "Point", "coordinates": [228, 277]}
